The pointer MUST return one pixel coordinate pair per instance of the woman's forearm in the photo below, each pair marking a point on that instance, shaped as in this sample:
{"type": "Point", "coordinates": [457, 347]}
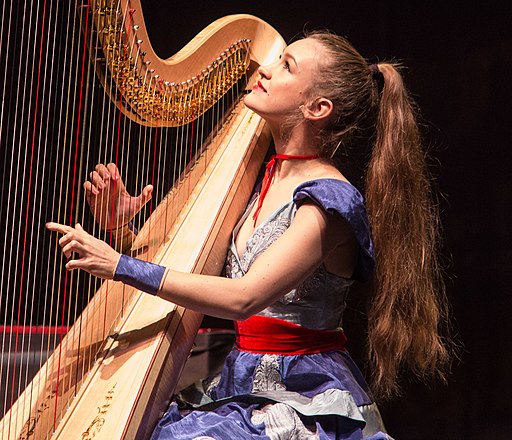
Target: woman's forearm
{"type": "Point", "coordinates": [212, 295]}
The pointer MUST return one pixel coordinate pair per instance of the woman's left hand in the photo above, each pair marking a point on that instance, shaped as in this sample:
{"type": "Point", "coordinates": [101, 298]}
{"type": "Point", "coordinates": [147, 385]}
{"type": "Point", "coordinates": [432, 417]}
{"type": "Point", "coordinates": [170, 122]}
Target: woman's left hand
{"type": "Point", "coordinates": [91, 254]}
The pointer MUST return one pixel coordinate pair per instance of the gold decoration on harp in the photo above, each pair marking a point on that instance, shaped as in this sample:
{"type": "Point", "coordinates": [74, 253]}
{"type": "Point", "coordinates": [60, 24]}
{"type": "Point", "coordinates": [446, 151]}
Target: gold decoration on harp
{"type": "Point", "coordinates": [144, 95]}
{"type": "Point", "coordinates": [96, 425]}
{"type": "Point", "coordinates": [31, 423]}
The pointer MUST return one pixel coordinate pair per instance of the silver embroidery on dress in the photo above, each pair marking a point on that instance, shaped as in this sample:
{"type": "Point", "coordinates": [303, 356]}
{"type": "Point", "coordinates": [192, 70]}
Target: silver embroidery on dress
{"type": "Point", "coordinates": [267, 376]}
{"type": "Point", "coordinates": [210, 383]}
{"type": "Point", "coordinates": [233, 269]}
{"type": "Point", "coordinates": [283, 423]}
{"type": "Point", "coordinates": [309, 285]}
{"type": "Point", "coordinates": [262, 238]}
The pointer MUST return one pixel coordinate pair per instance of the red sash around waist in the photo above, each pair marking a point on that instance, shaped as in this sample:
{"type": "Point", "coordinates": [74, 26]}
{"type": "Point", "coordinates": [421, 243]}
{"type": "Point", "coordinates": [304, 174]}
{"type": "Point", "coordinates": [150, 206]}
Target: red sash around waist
{"type": "Point", "coordinates": [260, 334]}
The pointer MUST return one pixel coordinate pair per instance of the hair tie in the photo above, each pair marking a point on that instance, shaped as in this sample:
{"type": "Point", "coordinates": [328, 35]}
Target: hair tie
{"type": "Point", "coordinates": [377, 76]}
{"type": "Point", "coordinates": [374, 69]}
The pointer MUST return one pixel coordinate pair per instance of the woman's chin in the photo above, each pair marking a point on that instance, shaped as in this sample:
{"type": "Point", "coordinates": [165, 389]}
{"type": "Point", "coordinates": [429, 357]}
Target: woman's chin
{"type": "Point", "coordinates": [249, 101]}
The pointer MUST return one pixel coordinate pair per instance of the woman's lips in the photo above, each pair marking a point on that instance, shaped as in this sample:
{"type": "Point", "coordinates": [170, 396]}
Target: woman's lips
{"type": "Point", "coordinates": [259, 86]}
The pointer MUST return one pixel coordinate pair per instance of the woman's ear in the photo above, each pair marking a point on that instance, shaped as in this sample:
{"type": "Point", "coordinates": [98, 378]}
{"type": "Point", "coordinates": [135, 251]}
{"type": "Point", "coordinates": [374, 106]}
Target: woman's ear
{"type": "Point", "coordinates": [317, 110]}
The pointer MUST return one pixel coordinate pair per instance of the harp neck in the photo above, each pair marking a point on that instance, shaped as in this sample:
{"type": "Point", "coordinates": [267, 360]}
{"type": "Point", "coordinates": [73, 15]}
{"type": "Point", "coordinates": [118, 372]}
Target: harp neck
{"type": "Point", "coordinates": [172, 92]}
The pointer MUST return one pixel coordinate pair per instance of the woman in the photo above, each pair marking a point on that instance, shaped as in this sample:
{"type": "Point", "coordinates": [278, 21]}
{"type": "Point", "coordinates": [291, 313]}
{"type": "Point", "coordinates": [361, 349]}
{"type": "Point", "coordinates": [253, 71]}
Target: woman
{"type": "Point", "coordinates": [302, 242]}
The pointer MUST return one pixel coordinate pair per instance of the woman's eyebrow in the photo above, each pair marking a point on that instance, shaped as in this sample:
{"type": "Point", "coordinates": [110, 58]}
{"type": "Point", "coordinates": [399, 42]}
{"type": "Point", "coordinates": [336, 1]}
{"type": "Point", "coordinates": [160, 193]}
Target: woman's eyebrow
{"type": "Point", "coordinates": [289, 56]}
{"type": "Point", "coordinates": [293, 59]}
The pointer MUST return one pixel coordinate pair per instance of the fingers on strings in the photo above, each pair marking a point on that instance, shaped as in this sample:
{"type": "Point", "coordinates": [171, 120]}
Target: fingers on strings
{"type": "Point", "coordinates": [100, 177]}
{"type": "Point", "coordinates": [72, 240]}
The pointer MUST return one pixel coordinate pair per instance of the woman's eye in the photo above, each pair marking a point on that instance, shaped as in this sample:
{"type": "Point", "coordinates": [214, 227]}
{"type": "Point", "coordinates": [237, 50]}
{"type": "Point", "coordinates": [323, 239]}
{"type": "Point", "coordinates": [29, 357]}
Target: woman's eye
{"type": "Point", "coordinates": [286, 64]}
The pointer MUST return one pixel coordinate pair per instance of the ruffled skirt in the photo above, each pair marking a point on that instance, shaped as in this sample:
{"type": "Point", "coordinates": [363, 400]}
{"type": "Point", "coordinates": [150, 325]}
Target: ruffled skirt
{"type": "Point", "coordinates": [262, 396]}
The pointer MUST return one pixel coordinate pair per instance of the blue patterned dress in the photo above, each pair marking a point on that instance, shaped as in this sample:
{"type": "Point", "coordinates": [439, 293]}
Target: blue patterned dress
{"type": "Point", "coordinates": [276, 396]}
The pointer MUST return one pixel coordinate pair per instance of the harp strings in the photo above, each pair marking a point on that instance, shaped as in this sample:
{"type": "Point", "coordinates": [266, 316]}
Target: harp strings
{"type": "Point", "coordinates": [45, 77]}
{"type": "Point", "coordinates": [85, 108]}
{"type": "Point", "coordinates": [23, 172]}
{"type": "Point", "coordinates": [56, 124]}
{"type": "Point", "coordinates": [66, 202]}
{"type": "Point", "coordinates": [21, 185]}
{"type": "Point", "coordinates": [6, 206]}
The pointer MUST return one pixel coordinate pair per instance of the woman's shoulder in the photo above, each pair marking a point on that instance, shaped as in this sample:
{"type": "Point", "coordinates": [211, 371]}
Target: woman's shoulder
{"type": "Point", "coordinates": [339, 197]}
{"type": "Point", "coordinates": [332, 194]}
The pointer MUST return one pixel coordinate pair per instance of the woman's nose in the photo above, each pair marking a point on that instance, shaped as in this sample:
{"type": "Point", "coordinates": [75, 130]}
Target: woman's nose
{"type": "Point", "coordinates": [264, 71]}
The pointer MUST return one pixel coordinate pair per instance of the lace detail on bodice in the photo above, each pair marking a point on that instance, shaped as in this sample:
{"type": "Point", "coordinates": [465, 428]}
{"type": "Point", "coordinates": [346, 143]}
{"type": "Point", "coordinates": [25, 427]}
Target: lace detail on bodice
{"type": "Point", "coordinates": [233, 269]}
{"type": "Point", "coordinates": [258, 243]}
{"type": "Point", "coordinates": [314, 282]}
{"type": "Point", "coordinates": [262, 238]}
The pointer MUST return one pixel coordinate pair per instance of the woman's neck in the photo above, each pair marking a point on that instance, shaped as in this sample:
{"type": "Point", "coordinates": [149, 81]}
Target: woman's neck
{"type": "Point", "coordinates": [292, 168]}
{"type": "Point", "coordinates": [297, 144]}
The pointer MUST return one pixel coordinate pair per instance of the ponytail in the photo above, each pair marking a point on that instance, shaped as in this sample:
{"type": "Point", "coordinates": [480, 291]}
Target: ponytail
{"type": "Point", "coordinates": [409, 308]}
{"type": "Point", "coordinates": [409, 305]}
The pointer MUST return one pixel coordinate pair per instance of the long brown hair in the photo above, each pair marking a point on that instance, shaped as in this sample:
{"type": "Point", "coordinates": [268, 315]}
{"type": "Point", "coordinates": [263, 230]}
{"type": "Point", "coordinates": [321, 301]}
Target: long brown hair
{"type": "Point", "coordinates": [408, 307]}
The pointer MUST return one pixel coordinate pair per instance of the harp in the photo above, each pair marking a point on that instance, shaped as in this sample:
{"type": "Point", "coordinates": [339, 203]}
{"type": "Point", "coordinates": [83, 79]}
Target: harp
{"type": "Point", "coordinates": [89, 89]}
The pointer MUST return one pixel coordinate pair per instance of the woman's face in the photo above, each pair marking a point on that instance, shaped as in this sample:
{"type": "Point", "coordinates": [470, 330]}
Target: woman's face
{"type": "Point", "coordinates": [283, 86]}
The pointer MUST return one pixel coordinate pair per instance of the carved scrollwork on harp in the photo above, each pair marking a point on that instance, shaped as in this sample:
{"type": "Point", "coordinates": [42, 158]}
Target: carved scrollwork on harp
{"type": "Point", "coordinates": [138, 83]}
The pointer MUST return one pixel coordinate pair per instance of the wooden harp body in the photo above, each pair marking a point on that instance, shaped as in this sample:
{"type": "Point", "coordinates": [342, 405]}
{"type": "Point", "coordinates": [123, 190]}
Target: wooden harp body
{"type": "Point", "coordinates": [113, 373]}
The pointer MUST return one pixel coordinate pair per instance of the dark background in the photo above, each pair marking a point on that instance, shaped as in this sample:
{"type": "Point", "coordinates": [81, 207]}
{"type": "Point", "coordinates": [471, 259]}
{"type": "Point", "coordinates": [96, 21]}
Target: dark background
{"type": "Point", "coordinates": [459, 59]}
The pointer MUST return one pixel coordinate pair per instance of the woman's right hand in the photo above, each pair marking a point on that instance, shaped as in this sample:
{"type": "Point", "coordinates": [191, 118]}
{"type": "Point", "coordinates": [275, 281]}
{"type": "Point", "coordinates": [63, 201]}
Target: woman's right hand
{"type": "Point", "coordinates": [110, 203]}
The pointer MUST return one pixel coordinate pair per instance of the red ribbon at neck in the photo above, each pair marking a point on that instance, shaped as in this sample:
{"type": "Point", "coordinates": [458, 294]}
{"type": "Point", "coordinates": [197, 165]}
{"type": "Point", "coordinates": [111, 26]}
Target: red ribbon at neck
{"type": "Point", "coordinates": [269, 176]}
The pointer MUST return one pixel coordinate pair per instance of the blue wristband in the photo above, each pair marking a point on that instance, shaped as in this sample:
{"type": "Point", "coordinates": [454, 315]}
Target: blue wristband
{"type": "Point", "coordinates": [132, 228]}
{"type": "Point", "coordinates": [139, 274]}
